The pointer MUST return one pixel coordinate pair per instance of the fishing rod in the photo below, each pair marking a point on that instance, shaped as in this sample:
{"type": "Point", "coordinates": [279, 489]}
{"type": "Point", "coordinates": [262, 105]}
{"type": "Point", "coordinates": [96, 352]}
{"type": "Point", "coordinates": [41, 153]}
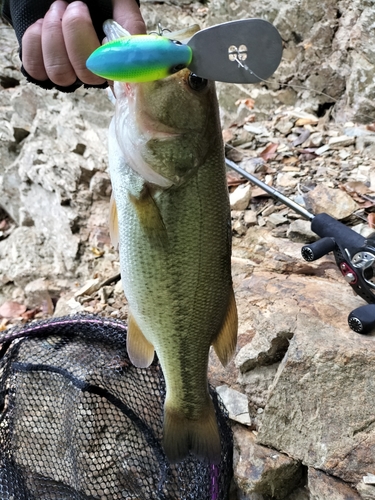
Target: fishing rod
{"type": "Point", "coordinates": [354, 254]}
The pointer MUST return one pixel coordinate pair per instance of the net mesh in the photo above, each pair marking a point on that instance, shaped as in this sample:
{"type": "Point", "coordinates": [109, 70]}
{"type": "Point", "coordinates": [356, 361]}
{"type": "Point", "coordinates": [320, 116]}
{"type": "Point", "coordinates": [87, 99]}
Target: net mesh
{"type": "Point", "coordinates": [78, 421]}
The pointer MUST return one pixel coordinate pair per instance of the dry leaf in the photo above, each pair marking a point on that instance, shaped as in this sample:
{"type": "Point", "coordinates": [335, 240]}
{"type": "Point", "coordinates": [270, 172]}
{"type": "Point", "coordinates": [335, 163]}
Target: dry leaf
{"type": "Point", "coordinates": [269, 152]}
{"type": "Point", "coordinates": [250, 119]}
{"type": "Point", "coordinates": [249, 103]}
{"type": "Point", "coordinates": [3, 324]}
{"type": "Point", "coordinates": [306, 121]}
{"type": "Point", "coordinates": [27, 315]}
{"type": "Point", "coordinates": [371, 220]}
{"type": "Point", "coordinates": [235, 179]}
{"type": "Point", "coordinates": [258, 192]}
{"type": "Point", "coordinates": [12, 309]}
{"type": "Point", "coordinates": [290, 160]}
{"type": "Point", "coordinates": [371, 127]}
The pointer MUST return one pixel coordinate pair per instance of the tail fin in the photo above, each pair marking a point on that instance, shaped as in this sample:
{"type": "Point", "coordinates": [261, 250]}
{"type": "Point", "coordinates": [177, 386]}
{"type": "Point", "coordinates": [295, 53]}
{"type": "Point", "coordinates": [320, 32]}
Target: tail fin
{"type": "Point", "coordinates": [182, 435]}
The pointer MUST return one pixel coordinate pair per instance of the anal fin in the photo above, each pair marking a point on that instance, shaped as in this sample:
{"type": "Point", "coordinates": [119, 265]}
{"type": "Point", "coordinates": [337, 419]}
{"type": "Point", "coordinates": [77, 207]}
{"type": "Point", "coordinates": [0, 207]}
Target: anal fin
{"type": "Point", "coordinates": [226, 340]}
{"type": "Point", "coordinates": [140, 350]}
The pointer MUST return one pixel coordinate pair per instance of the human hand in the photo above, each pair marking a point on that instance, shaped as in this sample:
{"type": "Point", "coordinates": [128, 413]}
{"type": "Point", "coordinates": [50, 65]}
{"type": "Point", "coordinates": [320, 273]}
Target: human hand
{"type": "Point", "coordinates": [57, 46]}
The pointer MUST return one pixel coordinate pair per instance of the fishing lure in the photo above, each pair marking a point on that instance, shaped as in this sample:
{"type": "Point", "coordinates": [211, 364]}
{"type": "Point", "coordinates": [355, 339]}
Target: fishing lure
{"type": "Point", "coordinates": [139, 58]}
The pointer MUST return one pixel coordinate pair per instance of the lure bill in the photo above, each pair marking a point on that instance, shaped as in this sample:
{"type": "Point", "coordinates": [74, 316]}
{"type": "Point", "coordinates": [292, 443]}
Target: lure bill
{"type": "Point", "coordinates": [139, 58]}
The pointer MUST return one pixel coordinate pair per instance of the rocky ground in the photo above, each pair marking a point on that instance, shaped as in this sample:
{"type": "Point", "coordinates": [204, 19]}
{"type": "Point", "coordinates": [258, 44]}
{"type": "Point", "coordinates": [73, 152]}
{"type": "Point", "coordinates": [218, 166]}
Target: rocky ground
{"type": "Point", "coordinates": [300, 390]}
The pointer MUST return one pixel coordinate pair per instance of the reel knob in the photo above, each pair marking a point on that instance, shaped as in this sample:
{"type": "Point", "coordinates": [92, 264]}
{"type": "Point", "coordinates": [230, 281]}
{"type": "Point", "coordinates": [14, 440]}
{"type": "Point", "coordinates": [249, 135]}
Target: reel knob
{"type": "Point", "coordinates": [317, 249]}
{"type": "Point", "coordinates": [362, 319]}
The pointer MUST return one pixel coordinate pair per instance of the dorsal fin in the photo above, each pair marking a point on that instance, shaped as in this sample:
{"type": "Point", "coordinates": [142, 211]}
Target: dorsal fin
{"type": "Point", "coordinates": [225, 343]}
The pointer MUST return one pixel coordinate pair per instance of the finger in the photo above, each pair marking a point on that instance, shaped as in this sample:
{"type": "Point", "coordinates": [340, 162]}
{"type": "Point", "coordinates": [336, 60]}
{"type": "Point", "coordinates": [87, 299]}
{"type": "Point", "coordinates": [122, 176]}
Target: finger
{"type": "Point", "coordinates": [80, 40]}
{"type": "Point", "coordinates": [56, 60]}
{"type": "Point", "coordinates": [32, 54]}
{"type": "Point", "coordinates": [128, 15]}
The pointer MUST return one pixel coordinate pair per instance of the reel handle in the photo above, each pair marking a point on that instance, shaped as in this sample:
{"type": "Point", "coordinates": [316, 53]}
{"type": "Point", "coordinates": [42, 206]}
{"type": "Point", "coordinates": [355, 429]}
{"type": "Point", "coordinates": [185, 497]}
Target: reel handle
{"type": "Point", "coordinates": [362, 319]}
{"type": "Point", "coordinates": [316, 250]}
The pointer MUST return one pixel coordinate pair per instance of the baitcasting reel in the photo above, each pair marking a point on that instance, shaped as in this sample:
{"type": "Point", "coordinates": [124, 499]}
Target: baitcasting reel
{"type": "Point", "coordinates": [355, 257]}
{"type": "Point", "coordinates": [354, 254]}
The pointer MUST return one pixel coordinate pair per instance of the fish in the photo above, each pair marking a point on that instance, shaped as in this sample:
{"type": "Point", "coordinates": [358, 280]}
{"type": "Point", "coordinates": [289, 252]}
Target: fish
{"type": "Point", "coordinates": [170, 216]}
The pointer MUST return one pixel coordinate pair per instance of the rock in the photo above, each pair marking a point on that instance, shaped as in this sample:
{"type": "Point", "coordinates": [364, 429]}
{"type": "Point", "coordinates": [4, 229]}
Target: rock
{"type": "Point", "coordinates": [334, 202]}
{"type": "Point", "coordinates": [287, 180]}
{"type": "Point", "coordinates": [276, 219]}
{"type": "Point", "coordinates": [236, 403]}
{"type": "Point", "coordinates": [366, 144]}
{"type": "Point", "coordinates": [262, 471]}
{"type": "Point", "coordinates": [369, 479]}
{"type": "Point", "coordinates": [250, 218]}
{"type": "Point", "coordinates": [366, 491]}
{"type": "Point", "coordinates": [323, 149]}
{"type": "Point", "coordinates": [284, 126]}
{"type": "Point", "coordinates": [341, 141]}
{"type": "Point", "coordinates": [239, 227]}
{"type": "Point", "coordinates": [37, 293]}
{"type": "Point", "coordinates": [267, 347]}
{"type": "Point", "coordinates": [256, 384]}
{"type": "Point", "coordinates": [90, 287]}
{"type": "Point", "coordinates": [256, 128]}
{"type": "Point", "coordinates": [67, 305]}
{"type": "Point", "coordinates": [240, 198]}
{"type": "Point", "coordinates": [23, 257]}
{"type": "Point", "coordinates": [300, 231]}
{"type": "Point", "coordinates": [324, 487]}
{"type": "Point", "coordinates": [324, 386]}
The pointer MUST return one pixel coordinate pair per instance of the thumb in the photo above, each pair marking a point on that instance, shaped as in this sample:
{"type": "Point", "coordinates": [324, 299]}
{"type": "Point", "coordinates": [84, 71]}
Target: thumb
{"type": "Point", "coordinates": [128, 15]}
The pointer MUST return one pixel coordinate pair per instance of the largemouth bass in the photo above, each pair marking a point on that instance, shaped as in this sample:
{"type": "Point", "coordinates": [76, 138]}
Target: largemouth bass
{"type": "Point", "coordinates": [172, 222]}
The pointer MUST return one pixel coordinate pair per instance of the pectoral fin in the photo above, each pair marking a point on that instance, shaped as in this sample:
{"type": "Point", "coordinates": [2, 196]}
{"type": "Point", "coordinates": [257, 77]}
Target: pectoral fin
{"type": "Point", "coordinates": [225, 343]}
{"type": "Point", "coordinates": [113, 222]}
{"type": "Point", "coordinates": [140, 350]}
{"type": "Point", "coordinates": [149, 217]}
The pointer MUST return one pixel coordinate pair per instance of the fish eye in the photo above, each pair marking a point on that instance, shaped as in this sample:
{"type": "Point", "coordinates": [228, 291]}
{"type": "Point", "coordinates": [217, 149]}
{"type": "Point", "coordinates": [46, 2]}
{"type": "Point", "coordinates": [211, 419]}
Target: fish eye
{"type": "Point", "coordinates": [176, 42]}
{"type": "Point", "coordinates": [177, 68]}
{"type": "Point", "coordinates": [197, 83]}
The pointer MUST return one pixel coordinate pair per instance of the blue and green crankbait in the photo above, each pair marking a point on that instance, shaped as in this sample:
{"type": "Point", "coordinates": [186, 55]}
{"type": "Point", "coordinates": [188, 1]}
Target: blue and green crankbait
{"type": "Point", "coordinates": [139, 58]}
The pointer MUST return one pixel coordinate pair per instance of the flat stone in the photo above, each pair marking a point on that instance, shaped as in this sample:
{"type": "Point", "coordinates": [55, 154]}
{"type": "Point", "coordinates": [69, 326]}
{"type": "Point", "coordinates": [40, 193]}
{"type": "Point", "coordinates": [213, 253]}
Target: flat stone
{"type": "Point", "coordinates": [236, 403]}
{"type": "Point", "coordinates": [90, 287]}
{"type": "Point", "coordinates": [256, 129]}
{"type": "Point", "coordinates": [276, 219]}
{"type": "Point", "coordinates": [341, 141]}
